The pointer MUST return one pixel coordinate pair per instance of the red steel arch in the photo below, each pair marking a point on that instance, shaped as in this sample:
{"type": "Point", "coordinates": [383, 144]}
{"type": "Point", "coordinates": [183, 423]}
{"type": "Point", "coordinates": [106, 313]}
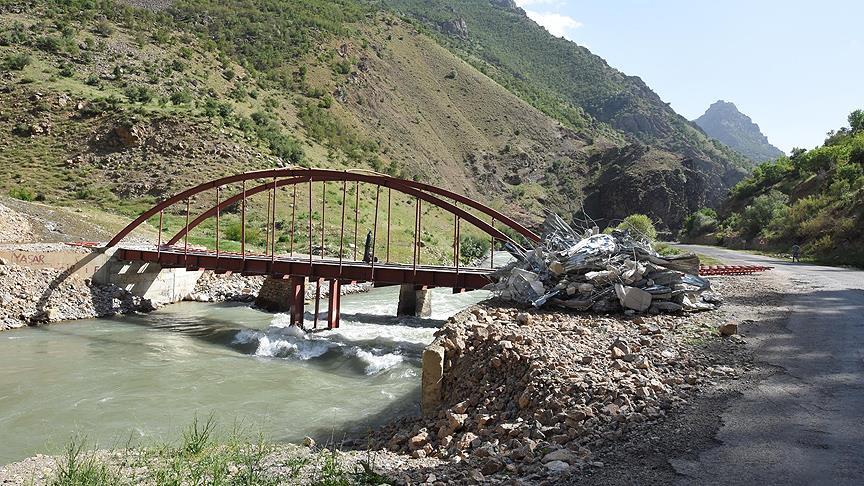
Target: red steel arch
{"type": "Point", "coordinates": [292, 176]}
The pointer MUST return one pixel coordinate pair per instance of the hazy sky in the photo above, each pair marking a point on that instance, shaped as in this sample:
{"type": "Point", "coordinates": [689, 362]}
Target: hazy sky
{"type": "Point", "coordinates": [795, 67]}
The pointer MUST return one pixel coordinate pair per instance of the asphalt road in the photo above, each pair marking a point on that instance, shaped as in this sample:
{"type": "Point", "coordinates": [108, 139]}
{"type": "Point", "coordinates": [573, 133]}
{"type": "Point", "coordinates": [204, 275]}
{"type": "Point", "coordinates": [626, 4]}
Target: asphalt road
{"type": "Point", "coordinates": [805, 423]}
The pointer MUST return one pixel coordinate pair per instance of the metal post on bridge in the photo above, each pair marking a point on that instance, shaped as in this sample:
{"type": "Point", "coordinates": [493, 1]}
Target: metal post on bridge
{"type": "Point", "coordinates": [317, 303]}
{"type": "Point", "coordinates": [217, 223]}
{"type": "Point", "coordinates": [310, 223]}
{"type": "Point", "coordinates": [273, 222]}
{"type": "Point", "coordinates": [243, 222]}
{"type": "Point", "coordinates": [159, 241]}
{"type": "Point", "coordinates": [323, 208]}
{"type": "Point", "coordinates": [342, 225]}
{"type": "Point", "coordinates": [356, 214]}
{"type": "Point", "coordinates": [293, 216]}
{"type": "Point", "coordinates": [298, 294]}
{"type": "Point", "coordinates": [333, 304]}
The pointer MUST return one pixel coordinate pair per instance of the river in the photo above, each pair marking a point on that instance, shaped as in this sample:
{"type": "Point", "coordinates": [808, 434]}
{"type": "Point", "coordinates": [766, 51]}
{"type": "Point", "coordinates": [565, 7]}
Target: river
{"type": "Point", "coordinates": [139, 380]}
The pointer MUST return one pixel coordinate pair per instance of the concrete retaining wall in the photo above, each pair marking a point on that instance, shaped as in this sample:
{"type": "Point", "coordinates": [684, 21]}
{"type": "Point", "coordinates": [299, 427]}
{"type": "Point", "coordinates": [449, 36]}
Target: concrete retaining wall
{"type": "Point", "coordinates": [82, 264]}
{"type": "Point", "coordinates": [150, 281]}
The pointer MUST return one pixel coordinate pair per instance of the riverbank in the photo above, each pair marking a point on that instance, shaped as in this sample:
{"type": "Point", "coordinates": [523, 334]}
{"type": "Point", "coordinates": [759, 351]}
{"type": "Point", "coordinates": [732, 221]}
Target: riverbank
{"type": "Point", "coordinates": [552, 397]}
{"type": "Point", "coordinates": [32, 296]}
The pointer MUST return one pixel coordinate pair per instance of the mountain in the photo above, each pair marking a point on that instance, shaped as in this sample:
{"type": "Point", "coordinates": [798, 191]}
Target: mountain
{"type": "Point", "coordinates": [579, 89]}
{"type": "Point", "coordinates": [813, 198]}
{"type": "Point", "coordinates": [725, 123]}
{"type": "Point", "coordinates": [109, 106]}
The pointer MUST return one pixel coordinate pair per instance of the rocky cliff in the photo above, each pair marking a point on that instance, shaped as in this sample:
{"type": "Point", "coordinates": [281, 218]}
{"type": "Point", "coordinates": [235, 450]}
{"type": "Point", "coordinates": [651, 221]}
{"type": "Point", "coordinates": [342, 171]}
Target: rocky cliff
{"type": "Point", "coordinates": [725, 123]}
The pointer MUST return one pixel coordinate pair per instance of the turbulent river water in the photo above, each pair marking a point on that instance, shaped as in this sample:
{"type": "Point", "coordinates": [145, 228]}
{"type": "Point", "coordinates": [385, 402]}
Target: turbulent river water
{"type": "Point", "coordinates": [142, 379]}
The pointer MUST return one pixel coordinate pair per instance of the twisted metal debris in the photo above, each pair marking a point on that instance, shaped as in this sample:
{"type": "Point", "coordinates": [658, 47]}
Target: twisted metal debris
{"type": "Point", "coordinates": [589, 270]}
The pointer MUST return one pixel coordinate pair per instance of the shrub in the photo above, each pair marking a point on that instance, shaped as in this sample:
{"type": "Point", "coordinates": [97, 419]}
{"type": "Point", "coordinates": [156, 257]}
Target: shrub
{"type": "Point", "coordinates": [639, 225]}
{"type": "Point", "coordinates": [234, 232]}
{"type": "Point", "coordinates": [472, 248]}
{"type": "Point", "coordinates": [342, 67]}
{"type": "Point", "coordinates": [16, 62]}
{"type": "Point", "coordinates": [139, 94]}
{"type": "Point", "coordinates": [49, 43]}
{"type": "Point", "coordinates": [281, 145]}
{"type": "Point", "coordinates": [66, 70]}
{"type": "Point", "coordinates": [759, 214]}
{"type": "Point", "coordinates": [181, 97]}
{"type": "Point", "coordinates": [104, 28]}
{"type": "Point", "coordinates": [22, 193]}
{"type": "Point", "coordinates": [700, 223]}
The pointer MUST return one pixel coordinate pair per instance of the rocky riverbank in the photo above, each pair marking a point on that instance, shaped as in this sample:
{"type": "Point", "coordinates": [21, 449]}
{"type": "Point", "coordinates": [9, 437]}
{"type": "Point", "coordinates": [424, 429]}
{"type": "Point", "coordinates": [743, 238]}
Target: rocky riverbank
{"type": "Point", "coordinates": [35, 296]}
{"type": "Point", "coordinates": [31, 296]}
{"type": "Point", "coordinates": [541, 397]}
{"type": "Point", "coordinates": [544, 394]}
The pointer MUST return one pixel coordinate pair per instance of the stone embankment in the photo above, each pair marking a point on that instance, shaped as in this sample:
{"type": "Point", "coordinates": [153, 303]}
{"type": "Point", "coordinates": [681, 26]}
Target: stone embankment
{"type": "Point", "coordinates": [542, 395]}
{"type": "Point", "coordinates": [33, 296]}
{"type": "Point", "coordinates": [30, 296]}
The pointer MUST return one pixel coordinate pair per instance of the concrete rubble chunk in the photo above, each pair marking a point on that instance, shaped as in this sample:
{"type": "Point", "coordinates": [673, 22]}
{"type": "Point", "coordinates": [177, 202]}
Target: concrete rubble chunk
{"type": "Point", "coordinates": [586, 271]}
{"type": "Point", "coordinates": [633, 298]}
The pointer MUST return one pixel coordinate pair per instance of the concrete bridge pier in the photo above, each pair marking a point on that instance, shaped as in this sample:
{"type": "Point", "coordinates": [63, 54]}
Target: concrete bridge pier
{"type": "Point", "coordinates": [414, 300]}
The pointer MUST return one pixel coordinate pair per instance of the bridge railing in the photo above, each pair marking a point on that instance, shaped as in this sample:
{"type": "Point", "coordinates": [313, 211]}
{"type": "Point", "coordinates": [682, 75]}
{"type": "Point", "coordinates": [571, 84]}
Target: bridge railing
{"type": "Point", "coordinates": [276, 182]}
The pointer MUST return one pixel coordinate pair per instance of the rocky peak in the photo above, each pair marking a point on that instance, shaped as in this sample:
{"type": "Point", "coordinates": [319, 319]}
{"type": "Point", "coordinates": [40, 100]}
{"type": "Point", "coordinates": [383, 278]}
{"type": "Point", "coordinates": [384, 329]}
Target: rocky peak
{"type": "Point", "coordinates": [725, 123]}
{"type": "Point", "coordinates": [505, 4]}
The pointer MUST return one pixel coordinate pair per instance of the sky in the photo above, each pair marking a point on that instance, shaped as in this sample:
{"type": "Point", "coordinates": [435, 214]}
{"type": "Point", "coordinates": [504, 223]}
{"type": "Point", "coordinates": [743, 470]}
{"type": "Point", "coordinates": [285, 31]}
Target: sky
{"type": "Point", "coordinates": [795, 67]}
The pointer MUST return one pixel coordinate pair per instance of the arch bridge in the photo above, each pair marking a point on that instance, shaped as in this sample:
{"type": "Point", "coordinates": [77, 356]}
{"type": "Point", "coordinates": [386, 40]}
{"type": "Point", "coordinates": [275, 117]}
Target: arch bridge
{"type": "Point", "coordinates": [315, 262]}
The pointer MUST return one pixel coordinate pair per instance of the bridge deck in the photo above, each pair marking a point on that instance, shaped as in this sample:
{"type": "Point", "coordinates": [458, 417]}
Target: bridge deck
{"type": "Point", "coordinates": [468, 278]}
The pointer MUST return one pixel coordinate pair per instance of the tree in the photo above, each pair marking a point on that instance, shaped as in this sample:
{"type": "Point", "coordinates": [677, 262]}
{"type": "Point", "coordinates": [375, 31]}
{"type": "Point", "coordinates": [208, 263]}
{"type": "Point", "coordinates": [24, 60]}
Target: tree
{"type": "Point", "coordinates": [759, 214]}
{"type": "Point", "coordinates": [473, 248]}
{"type": "Point", "coordinates": [639, 225]}
{"type": "Point", "coordinates": [856, 121]}
{"type": "Point", "coordinates": [701, 222]}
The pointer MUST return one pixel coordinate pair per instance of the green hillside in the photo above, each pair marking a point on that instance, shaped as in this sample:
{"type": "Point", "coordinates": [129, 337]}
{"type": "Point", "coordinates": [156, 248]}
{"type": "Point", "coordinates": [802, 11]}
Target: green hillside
{"type": "Point", "coordinates": [111, 106]}
{"type": "Point", "coordinates": [814, 198]}
{"type": "Point", "coordinates": [561, 78]}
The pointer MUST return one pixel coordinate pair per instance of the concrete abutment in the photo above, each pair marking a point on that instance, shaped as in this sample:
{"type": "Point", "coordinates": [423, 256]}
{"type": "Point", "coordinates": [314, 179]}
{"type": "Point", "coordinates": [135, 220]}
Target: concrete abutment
{"type": "Point", "coordinates": [414, 301]}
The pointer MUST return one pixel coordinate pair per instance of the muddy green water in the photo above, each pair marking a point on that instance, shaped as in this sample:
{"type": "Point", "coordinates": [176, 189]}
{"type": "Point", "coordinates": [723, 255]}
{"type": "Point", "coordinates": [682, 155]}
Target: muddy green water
{"type": "Point", "coordinates": [141, 379]}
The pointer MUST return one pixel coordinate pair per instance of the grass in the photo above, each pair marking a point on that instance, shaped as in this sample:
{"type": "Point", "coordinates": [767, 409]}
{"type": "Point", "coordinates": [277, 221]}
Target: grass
{"type": "Point", "coordinates": [666, 249]}
{"type": "Point", "coordinates": [709, 260]}
{"type": "Point", "coordinates": [81, 468]}
{"type": "Point", "coordinates": [201, 457]}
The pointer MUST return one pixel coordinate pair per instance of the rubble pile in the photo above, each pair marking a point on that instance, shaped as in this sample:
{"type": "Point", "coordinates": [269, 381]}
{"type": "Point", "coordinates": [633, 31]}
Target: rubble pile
{"type": "Point", "coordinates": [542, 393]}
{"type": "Point", "coordinates": [602, 273]}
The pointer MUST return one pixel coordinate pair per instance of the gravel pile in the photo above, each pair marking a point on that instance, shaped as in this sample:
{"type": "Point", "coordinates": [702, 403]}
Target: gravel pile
{"type": "Point", "coordinates": [537, 394]}
{"type": "Point", "coordinates": [212, 287]}
{"type": "Point", "coordinates": [14, 226]}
